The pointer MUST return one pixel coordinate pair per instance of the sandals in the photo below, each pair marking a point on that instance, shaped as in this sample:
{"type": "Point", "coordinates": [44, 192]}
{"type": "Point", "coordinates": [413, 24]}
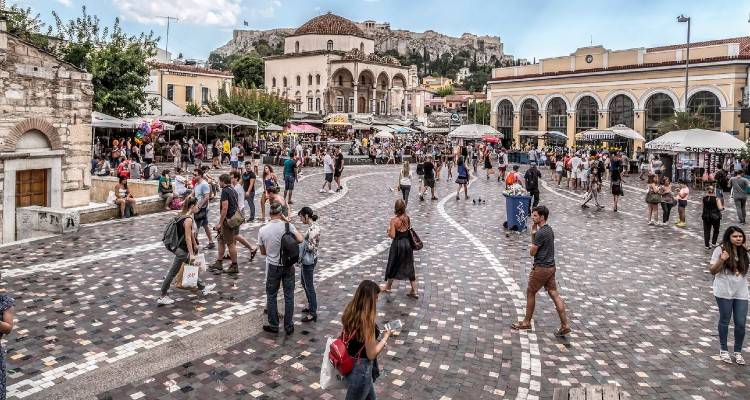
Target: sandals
{"type": "Point", "coordinates": [560, 332]}
{"type": "Point", "coordinates": [412, 295]}
{"type": "Point", "coordinates": [520, 326]}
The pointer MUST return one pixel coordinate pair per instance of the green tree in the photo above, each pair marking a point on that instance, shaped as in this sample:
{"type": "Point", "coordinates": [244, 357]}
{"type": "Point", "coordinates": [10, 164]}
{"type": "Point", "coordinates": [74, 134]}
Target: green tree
{"type": "Point", "coordinates": [218, 61]}
{"type": "Point", "coordinates": [482, 111]}
{"type": "Point", "coordinates": [248, 71]}
{"type": "Point", "coordinates": [476, 81]}
{"type": "Point", "coordinates": [251, 103]}
{"type": "Point", "coordinates": [21, 22]}
{"type": "Point", "coordinates": [193, 109]}
{"type": "Point", "coordinates": [683, 120]}
{"type": "Point", "coordinates": [445, 91]}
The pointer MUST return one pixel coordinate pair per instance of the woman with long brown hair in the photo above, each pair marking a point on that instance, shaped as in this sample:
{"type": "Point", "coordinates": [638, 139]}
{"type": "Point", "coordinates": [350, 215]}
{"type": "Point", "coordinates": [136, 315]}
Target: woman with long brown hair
{"type": "Point", "coordinates": [729, 265]}
{"type": "Point", "coordinates": [401, 256]}
{"type": "Point", "coordinates": [361, 332]}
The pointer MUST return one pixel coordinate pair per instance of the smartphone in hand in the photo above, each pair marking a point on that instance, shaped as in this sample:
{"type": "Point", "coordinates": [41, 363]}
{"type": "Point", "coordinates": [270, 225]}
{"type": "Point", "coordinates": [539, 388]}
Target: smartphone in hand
{"type": "Point", "coordinates": [393, 325]}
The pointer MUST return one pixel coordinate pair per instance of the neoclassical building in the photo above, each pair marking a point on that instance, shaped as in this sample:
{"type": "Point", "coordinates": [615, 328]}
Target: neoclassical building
{"type": "Point", "coordinates": [596, 88]}
{"type": "Point", "coordinates": [329, 66]}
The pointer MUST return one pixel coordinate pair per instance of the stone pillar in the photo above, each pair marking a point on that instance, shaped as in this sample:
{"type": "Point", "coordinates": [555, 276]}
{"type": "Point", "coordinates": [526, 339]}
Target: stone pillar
{"type": "Point", "coordinates": [373, 101]}
{"type": "Point", "coordinates": [516, 128]}
{"type": "Point", "coordinates": [571, 127]}
{"type": "Point", "coordinates": [356, 99]}
{"type": "Point", "coordinates": [603, 119]}
{"type": "Point", "coordinates": [388, 95]}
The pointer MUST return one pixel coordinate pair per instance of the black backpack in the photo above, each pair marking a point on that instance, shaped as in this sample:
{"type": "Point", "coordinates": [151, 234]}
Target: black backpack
{"type": "Point", "coordinates": [532, 181]}
{"type": "Point", "coordinates": [289, 254]}
{"type": "Point", "coordinates": [172, 238]}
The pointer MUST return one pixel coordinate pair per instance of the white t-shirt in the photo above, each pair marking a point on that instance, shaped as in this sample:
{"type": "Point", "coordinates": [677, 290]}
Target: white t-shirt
{"type": "Point", "coordinates": [574, 163]}
{"type": "Point", "coordinates": [234, 154]}
{"type": "Point", "coordinates": [328, 164]}
{"type": "Point", "coordinates": [728, 285]}
{"type": "Point", "coordinates": [240, 195]}
{"type": "Point", "coordinates": [179, 185]}
{"type": "Point", "coordinates": [269, 236]}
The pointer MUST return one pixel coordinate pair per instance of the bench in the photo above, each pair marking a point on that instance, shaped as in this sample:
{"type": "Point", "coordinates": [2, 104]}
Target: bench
{"type": "Point", "coordinates": [96, 212]}
{"type": "Point", "coordinates": [609, 391]}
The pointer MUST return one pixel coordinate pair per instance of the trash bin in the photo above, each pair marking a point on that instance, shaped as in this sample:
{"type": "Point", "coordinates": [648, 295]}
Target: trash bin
{"type": "Point", "coordinates": [517, 209]}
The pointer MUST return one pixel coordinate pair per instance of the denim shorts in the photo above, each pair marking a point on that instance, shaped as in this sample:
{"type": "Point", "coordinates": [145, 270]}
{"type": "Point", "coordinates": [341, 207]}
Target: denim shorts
{"type": "Point", "coordinates": [289, 182]}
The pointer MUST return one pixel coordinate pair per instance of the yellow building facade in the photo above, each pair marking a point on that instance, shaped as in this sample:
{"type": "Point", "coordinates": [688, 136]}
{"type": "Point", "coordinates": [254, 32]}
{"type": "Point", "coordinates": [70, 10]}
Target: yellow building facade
{"type": "Point", "coordinates": [183, 84]}
{"type": "Point", "coordinates": [598, 88]}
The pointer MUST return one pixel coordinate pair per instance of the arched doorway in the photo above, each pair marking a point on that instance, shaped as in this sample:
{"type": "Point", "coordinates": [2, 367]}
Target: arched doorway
{"type": "Point", "coordinates": [659, 107]}
{"type": "Point", "coordinates": [505, 121]}
{"type": "Point", "coordinates": [529, 115]}
{"type": "Point", "coordinates": [557, 115]}
{"type": "Point", "coordinates": [587, 116]}
{"type": "Point", "coordinates": [621, 111]}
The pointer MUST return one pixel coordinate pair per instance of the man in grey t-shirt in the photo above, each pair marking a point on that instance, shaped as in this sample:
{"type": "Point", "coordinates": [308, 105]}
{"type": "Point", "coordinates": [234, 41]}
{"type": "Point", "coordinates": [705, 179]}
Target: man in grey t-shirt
{"type": "Point", "coordinates": [543, 272]}
{"type": "Point", "coordinates": [269, 241]}
{"type": "Point", "coordinates": [739, 186]}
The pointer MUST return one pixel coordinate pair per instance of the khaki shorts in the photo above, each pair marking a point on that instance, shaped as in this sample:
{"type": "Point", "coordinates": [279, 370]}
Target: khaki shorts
{"type": "Point", "coordinates": [542, 277]}
{"type": "Point", "coordinates": [228, 235]}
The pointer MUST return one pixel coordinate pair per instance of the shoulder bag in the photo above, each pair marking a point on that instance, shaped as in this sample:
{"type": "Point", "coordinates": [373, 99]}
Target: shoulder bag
{"type": "Point", "coordinates": [653, 197]}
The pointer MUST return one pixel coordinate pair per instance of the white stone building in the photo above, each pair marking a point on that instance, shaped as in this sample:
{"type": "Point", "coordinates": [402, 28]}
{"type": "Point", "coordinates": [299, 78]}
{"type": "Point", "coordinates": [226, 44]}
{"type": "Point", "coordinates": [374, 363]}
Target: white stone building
{"type": "Point", "coordinates": [329, 66]}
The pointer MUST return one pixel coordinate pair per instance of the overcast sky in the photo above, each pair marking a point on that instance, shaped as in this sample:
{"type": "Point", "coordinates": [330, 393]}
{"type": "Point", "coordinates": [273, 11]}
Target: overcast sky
{"type": "Point", "coordinates": [528, 28]}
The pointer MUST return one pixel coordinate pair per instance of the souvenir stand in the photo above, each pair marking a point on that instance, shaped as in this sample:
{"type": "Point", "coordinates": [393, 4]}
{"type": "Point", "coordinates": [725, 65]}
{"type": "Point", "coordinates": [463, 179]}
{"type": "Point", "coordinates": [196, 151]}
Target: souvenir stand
{"type": "Point", "coordinates": [614, 138]}
{"type": "Point", "coordinates": [695, 154]}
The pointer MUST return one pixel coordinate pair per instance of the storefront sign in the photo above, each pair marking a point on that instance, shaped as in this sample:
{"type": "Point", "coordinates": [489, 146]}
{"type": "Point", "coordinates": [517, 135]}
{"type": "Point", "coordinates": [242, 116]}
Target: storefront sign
{"type": "Point", "coordinates": [338, 119]}
{"type": "Point", "coordinates": [714, 150]}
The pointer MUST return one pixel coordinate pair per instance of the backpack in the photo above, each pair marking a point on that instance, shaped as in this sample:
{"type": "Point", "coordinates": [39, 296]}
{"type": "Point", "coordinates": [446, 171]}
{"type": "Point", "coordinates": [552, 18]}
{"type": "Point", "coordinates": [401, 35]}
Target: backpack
{"type": "Point", "coordinates": [339, 356]}
{"type": "Point", "coordinates": [289, 254]}
{"type": "Point", "coordinates": [511, 179]}
{"type": "Point", "coordinates": [172, 238]}
{"type": "Point", "coordinates": [532, 181]}
{"type": "Point", "coordinates": [420, 169]}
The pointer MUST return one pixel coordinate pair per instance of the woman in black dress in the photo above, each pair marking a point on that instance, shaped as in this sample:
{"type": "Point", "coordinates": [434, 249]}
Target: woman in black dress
{"type": "Point", "coordinates": [487, 162]}
{"type": "Point", "coordinates": [401, 256]}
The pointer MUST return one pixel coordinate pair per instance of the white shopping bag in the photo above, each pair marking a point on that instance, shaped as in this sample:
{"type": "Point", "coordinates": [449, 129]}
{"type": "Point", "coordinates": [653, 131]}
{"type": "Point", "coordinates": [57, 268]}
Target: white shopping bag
{"type": "Point", "coordinates": [200, 262]}
{"type": "Point", "coordinates": [189, 276]}
{"type": "Point", "coordinates": [329, 376]}
{"type": "Point", "coordinates": [111, 197]}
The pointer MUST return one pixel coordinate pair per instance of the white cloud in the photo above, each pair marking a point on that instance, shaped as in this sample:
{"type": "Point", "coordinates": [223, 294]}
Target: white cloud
{"type": "Point", "coordinates": [263, 8]}
{"type": "Point", "coordinates": [66, 3]}
{"type": "Point", "coordinates": [202, 12]}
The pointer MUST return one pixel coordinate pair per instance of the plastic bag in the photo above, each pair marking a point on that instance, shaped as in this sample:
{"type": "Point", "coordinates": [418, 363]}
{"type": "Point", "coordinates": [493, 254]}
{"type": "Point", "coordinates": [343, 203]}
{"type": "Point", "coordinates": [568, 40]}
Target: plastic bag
{"type": "Point", "coordinates": [200, 262]}
{"type": "Point", "coordinates": [189, 276]}
{"type": "Point", "coordinates": [329, 377]}
{"type": "Point", "coordinates": [111, 197]}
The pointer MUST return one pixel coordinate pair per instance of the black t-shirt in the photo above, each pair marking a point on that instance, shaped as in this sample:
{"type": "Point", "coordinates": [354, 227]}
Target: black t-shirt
{"type": "Point", "coordinates": [545, 240]}
{"type": "Point", "coordinates": [181, 231]}
{"type": "Point", "coordinates": [339, 161]}
{"type": "Point", "coordinates": [429, 170]}
{"type": "Point", "coordinates": [531, 177]}
{"type": "Point", "coordinates": [229, 195]}
{"type": "Point", "coordinates": [185, 149]}
{"type": "Point", "coordinates": [246, 177]}
{"type": "Point", "coordinates": [355, 346]}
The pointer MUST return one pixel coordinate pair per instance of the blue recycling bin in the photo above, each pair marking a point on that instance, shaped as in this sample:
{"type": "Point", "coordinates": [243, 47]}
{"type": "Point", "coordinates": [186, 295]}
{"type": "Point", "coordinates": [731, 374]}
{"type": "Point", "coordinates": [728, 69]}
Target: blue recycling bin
{"type": "Point", "coordinates": [517, 210]}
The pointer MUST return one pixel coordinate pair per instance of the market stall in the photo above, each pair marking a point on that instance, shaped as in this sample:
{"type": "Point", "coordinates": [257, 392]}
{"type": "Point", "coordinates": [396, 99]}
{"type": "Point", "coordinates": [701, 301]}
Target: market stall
{"type": "Point", "coordinates": [695, 154]}
{"type": "Point", "coordinates": [551, 138]}
{"type": "Point", "coordinates": [614, 138]}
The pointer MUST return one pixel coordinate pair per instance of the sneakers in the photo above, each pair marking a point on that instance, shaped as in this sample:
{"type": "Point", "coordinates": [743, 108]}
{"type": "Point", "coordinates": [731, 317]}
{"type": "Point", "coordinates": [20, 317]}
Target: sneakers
{"type": "Point", "coordinates": [739, 359]}
{"type": "Point", "coordinates": [724, 356]}
{"type": "Point", "coordinates": [322, 191]}
{"type": "Point", "coordinates": [166, 300]}
{"type": "Point", "coordinates": [681, 224]}
{"type": "Point", "coordinates": [210, 246]}
{"type": "Point", "coordinates": [208, 288]}
{"type": "Point", "coordinates": [216, 266]}
{"type": "Point", "coordinates": [651, 222]}
{"type": "Point", "coordinates": [233, 269]}
{"type": "Point", "coordinates": [331, 191]}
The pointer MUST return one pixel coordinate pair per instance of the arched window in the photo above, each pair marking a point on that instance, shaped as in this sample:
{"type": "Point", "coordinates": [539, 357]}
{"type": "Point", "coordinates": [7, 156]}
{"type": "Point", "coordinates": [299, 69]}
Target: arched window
{"type": "Point", "coordinates": [299, 80]}
{"type": "Point", "coordinates": [621, 111]}
{"type": "Point", "coordinates": [296, 47]}
{"type": "Point", "coordinates": [587, 116]}
{"type": "Point", "coordinates": [658, 108]}
{"type": "Point", "coordinates": [284, 81]}
{"type": "Point", "coordinates": [329, 45]}
{"type": "Point", "coordinates": [557, 115]}
{"type": "Point", "coordinates": [317, 79]}
{"type": "Point", "coordinates": [362, 47]}
{"type": "Point", "coordinates": [317, 104]}
{"type": "Point", "coordinates": [273, 82]}
{"type": "Point", "coordinates": [505, 118]}
{"type": "Point", "coordinates": [707, 105]}
{"type": "Point", "coordinates": [529, 115]}
{"type": "Point", "coordinates": [309, 80]}
{"type": "Point", "coordinates": [341, 80]}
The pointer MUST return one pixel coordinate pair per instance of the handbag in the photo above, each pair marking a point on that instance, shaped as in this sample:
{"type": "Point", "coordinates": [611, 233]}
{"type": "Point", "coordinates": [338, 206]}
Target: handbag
{"type": "Point", "coordinates": [653, 198]}
{"type": "Point", "coordinates": [339, 355]}
{"type": "Point", "coordinates": [416, 242]}
{"type": "Point", "coordinates": [236, 220]}
{"type": "Point", "coordinates": [329, 377]}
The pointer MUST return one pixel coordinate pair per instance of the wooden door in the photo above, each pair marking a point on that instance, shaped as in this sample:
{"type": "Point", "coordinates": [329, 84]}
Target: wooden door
{"type": "Point", "coordinates": [31, 188]}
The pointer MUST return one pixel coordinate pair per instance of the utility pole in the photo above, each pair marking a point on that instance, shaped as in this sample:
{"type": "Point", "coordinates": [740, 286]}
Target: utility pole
{"type": "Point", "coordinates": [683, 19]}
{"type": "Point", "coordinates": [166, 53]}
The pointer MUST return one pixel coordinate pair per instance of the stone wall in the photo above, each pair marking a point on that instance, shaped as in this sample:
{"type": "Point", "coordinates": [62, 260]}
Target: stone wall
{"type": "Point", "coordinates": [39, 92]}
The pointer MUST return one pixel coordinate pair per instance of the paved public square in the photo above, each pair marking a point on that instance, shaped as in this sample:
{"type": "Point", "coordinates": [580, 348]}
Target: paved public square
{"type": "Point", "coordinates": [639, 299]}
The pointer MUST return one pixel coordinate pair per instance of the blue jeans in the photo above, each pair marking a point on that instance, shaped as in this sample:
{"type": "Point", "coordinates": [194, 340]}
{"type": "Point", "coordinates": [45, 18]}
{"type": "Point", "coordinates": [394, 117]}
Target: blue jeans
{"type": "Point", "coordinates": [306, 278]}
{"type": "Point", "coordinates": [359, 381]}
{"type": "Point", "coordinates": [279, 275]}
{"type": "Point", "coordinates": [727, 308]}
{"type": "Point", "coordinates": [250, 200]}
{"type": "Point", "coordinates": [180, 257]}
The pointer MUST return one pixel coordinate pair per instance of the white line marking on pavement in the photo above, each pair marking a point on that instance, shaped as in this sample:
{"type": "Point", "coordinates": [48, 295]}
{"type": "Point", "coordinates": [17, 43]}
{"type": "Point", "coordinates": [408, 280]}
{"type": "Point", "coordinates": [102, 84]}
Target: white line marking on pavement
{"type": "Point", "coordinates": [64, 265]}
{"type": "Point", "coordinates": [531, 366]}
{"type": "Point", "coordinates": [92, 360]}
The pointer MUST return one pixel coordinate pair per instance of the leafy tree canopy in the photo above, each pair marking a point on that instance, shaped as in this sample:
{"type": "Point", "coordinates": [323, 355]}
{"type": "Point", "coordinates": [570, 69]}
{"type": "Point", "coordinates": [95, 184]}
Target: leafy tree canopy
{"type": "Point", "coordinates": [251, 103]}
{"type": "Point", "coordinates": [248, 71]}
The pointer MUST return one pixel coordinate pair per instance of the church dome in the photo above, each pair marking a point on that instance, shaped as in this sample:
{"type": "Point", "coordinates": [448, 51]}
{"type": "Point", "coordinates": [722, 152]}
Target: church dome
{"type": "Point", "coordinates": [329, 24]}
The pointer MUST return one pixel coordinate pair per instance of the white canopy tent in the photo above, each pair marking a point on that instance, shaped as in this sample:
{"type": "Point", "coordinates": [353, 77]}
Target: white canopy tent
{"type": "Point", "coordinates": [543, 134]}
{"type": "Point", "coordinates": [472, 131]}
{"type": "Point", "coordinates": [611, 133]}
{"type": "Point", "coordinates": [101, 120]}
{"type": "Point", "coordinates": [697, 141]}
{"type": "Point", "coordinates": [383, 134]}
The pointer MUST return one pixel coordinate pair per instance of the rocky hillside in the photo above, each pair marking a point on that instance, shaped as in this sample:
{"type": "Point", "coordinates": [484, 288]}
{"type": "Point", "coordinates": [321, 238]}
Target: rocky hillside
{"type": "Point", "coordinates": [487, 50]}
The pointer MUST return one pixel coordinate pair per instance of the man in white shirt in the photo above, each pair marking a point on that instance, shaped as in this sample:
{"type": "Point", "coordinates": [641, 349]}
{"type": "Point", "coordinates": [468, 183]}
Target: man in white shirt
{"type": "Point", "coordinates": [575, 170]}
{"type": "Point", "coordinates": [148, 153]}
{"type": "Point", "coordinates": [328, 171]}
{"type": "Point", "coordinates": [234, 156]}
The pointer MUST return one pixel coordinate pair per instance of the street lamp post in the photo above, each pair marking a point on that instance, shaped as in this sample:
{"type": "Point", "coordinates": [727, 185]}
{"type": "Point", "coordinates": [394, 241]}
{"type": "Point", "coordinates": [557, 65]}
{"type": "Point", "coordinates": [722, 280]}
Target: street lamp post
{"type": "Point", "coordinates": [683, 18]}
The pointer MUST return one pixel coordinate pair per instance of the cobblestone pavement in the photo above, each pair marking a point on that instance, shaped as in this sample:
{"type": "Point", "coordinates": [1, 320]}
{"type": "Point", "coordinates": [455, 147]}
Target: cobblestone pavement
{"type": "Point", "coordinates": [638, 297]}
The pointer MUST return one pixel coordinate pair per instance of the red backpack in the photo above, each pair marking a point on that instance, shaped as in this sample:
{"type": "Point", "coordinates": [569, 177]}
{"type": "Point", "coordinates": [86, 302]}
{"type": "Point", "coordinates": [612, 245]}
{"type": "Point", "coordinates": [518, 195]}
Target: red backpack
{"type": "Point", "coordinates": [339, 356]}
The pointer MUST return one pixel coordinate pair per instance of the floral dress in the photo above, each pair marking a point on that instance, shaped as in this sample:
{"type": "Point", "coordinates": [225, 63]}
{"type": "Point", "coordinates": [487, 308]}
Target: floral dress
{"type": "Point", "coordinates": [6, 302]}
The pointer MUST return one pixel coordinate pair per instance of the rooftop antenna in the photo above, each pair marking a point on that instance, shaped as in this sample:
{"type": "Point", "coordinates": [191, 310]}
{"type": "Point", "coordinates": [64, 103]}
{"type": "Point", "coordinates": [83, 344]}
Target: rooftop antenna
{"type": "Point", "coordinates": [591, 40]}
